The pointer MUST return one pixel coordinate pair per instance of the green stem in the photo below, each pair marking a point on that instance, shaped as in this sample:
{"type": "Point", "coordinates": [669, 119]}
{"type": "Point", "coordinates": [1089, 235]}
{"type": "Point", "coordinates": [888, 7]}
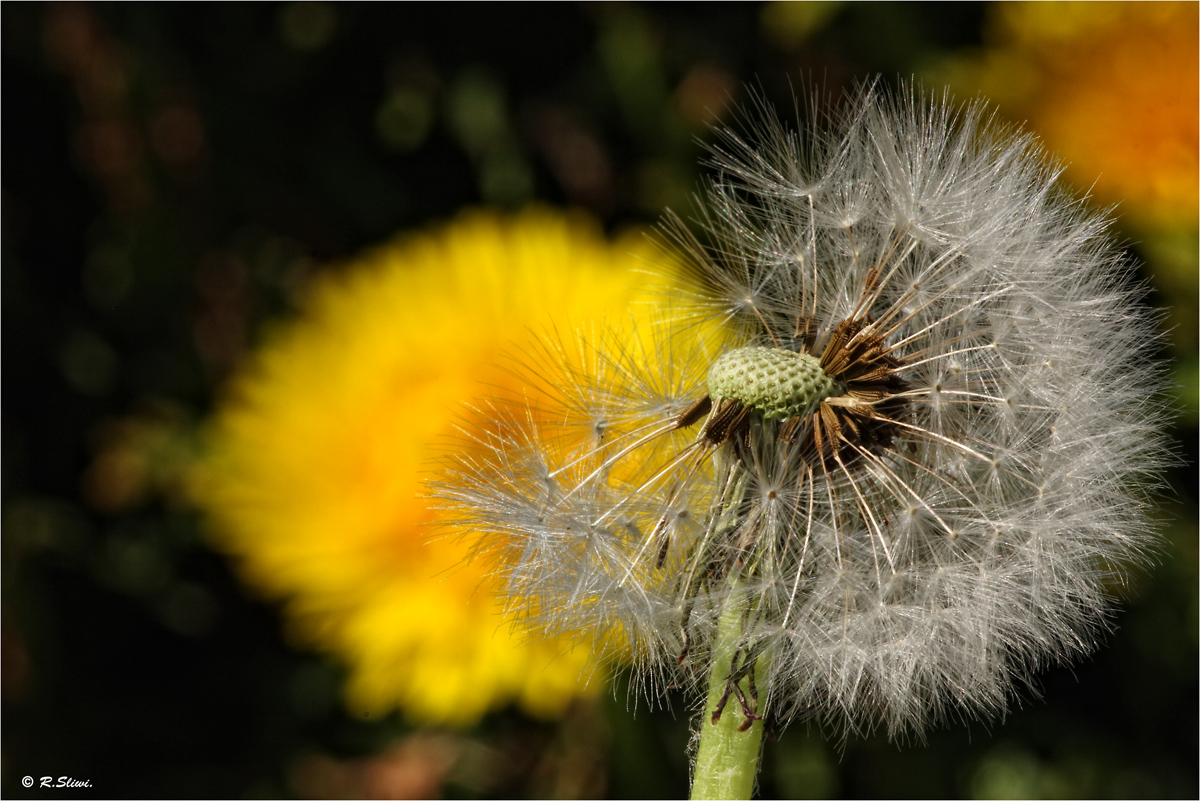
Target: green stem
{"type": "Point", "coordinates": [727, 760]}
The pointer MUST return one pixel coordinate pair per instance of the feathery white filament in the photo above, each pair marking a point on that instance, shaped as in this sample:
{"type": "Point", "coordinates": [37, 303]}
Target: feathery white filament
{"type": "Point", "coordinates": [974, 497]}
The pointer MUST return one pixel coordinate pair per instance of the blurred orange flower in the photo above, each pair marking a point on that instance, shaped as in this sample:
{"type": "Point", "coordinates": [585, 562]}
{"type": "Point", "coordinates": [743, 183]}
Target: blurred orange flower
{"type": "Point", "coordinates": [1111, 87]}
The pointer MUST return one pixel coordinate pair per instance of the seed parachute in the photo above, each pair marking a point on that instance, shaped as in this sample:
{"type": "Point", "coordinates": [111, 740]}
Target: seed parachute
{"type": "Point", "coordinates": [901, 431]}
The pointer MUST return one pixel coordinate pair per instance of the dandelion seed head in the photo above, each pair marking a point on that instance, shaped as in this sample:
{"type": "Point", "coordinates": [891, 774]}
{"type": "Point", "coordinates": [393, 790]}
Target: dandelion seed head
{"type": "Point", "coordinates": [905, 418]}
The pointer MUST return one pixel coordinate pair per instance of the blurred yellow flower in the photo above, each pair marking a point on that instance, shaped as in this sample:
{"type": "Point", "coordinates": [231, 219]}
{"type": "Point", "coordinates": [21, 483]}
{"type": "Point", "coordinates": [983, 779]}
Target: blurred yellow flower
{"type": "Point", "coordinates": [316, 460]}
{"type": "Point", "coordinates": [1111, 87]}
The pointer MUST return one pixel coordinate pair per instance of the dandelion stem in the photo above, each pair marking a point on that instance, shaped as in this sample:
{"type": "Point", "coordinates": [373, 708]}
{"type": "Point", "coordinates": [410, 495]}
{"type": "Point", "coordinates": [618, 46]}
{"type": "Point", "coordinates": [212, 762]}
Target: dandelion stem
{"type": "Point", "coordinates": [727, 759]}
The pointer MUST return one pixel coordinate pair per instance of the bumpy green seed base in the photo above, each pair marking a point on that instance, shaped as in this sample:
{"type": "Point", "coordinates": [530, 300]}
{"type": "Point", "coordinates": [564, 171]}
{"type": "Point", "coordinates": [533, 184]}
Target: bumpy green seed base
{"type": "Point", "coordinates": [776, 383]}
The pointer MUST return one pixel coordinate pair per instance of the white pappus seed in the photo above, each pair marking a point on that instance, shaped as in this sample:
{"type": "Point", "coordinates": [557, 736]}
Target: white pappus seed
{"type": "Point", "coordinates": [916, 457]}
